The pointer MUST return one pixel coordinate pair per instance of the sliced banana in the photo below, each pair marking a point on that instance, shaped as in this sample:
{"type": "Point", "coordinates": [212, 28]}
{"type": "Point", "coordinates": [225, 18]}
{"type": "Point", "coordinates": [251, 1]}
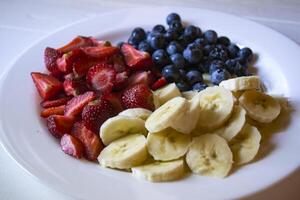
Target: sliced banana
{"type": "Point", "coordinates": [242, 83]}
{"type": "Point", "coordinates": [234, 124]}
{"type": "Point", "coordinates": [189, 94]}
{"type": "Point", "coordinates": [141, 113]}
{"type": "Point", "coordinates": [155, 100]}
{"type": "Point", "coordinates": [166, 93]}
{"type": "Point", "coordinates": [259, 106]}
{"type": "Point", "coordinates": [216, 104]}
{"type": "Point", "coordinates": [245, 145]}
{"type": "Point", "coordinates": [209, 155]}
{"type": "Point", "coordinates": [124, 153]}
{"type": "Point", "coordinates": [206, 79]}
{"type": "Point", "coordinates": [160, 171]}
{"type": "Point", "coordinates": [167, 144]}
{"type": "Point", "coordinates": [163, 117]}
{"type": "Point", "coordinates": [118, 126]}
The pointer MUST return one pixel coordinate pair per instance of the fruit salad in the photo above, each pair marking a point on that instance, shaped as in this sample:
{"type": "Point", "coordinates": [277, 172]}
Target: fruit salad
{"type": "Point", "coordinates": [166, 102]}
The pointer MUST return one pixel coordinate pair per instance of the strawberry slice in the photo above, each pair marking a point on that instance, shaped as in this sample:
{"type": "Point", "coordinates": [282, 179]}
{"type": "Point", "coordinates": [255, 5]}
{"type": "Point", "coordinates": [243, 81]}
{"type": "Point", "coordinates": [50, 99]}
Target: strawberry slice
{"type": "Point", "coordinates": [79, 41]}
{"type": "Point", "coordinates": [76, 104]}
{"type": "Point", "coordinates": [74, 87]}
{"type": "Point", "coordinates": [59, 110]}
{"type": "Point", "coordinates": [144, 77]}
{"type": "Point", "coordinates": [115, 100]}
{"type": "Point", "coordinates": [65, 63]}
{"type": "Point", "coordinates": [136, 59]}
{"type": "Point", "coordinates": [121, 80]}
{"type": "Point", "coordinates": [100, 43]}
{"type": "Point", "coordinates": [159, 83]}
{"type": "Point", "coordinates": [96, 113]}
{"type": "Point", "coordinates": [82, 65]}
{"type": "Point", "coordinates": [100, 51]}
{"type": "Point", "coordinates": [71, 146]}
{"type": "Point", "coordinates": [50, 57]}
{"type": "Point", "coordinates": [58, 125]}
{"type": "Point", "coordinates": [101, 77]}
{"type": "Point", "coordinates": [47, 85]}
{"type": "Point", "coordinates": [55, 103]}
{"type": "Point", "coordinates": [90, 140]}
{"type": "Point", "coordinates": [118, 63]}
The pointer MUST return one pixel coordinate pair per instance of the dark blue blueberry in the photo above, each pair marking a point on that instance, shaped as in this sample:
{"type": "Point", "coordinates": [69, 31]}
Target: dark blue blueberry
{"type": "Point", "coordinates": [218, 54]}
{"type": "Point", "coordinates": [234, 67]}
{"type": "Point", "coordinates": [138, 33]}
{"type": "Point", "coordinates": [183, 86]}
{"type": "Point", "coordinates": [221, 46]}
{"type": "Point", "coordinates": [201, 42]}
{"type": "Point", "coordinates": [200, 67]}
{"type": "Point", "coordinates": [119, 44]}
{"type": "Point", "coordinates": [159, 28]}
{"type": "Point", "coordinates": [223, 40]}
{"type": "Point", "coordinates": [160, 58]}
{"type": "Point", "coordinates": [199, 86]}
{"type": "Point", "coordinates": [150, 35]}
{"type": "Point", "coordinates": [206, 66]}
{"type": "Point", "coordinates": [191, 32]}
{"type": "Point", "coordinates": [182, 73]}
{"type": "Point", "coordinates": [158, 42]}
{"type": "Point", "coordinates": [210, 36]}
{"type": "Point", "coordinates": [192, 54]}
{"type": "Point", "coordinates": [171, 73]}
{"type": "Point", "coordinates": [215, 65]}
{"type": "Point", "coordinates": [194, 76]}
{"type": "Point", "coordinates": [207, 49]}
{"type": "Point", "coordinates": [133, 41]}
{"type": "Point", "coordinates": [177, 26]}
{"type": "Point", "coordinates": [173, 17]}
{"type": "Point", "coordinates": [171, 35]}
{"type": "Point", "coordinates": [233, 50]}
{"type": "Point", "coordinates": [178, 60]}
{"type": "Point", "coordinates": [174, 47]}
{"type": "Point", "coordinates": [184, 41]}
{"type": "Point", "coordinates": [145, 46]}
{"type": "Point", "coordinates": [219, 75]}
{"type": "Point", "coordinates": [245, 54]}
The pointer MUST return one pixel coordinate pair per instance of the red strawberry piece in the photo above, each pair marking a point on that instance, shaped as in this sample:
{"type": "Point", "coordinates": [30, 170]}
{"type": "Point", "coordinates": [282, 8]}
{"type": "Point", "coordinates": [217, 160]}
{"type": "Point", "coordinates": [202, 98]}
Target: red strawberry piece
{"type": "Point", "coordinates": [55, 103]}
{"type": "Point", "coordinates": [96, 113]}
{"type": "Point", "coordinates": [159, 83]}
{"type": "Point", "coordinates": [65, 63]}
{"type": "Point", "coordinates": [136, 59]}
{"type": "Point", "coordinates": [79, 41]}
{"type": "Point", "coordinates": [101, 77]}
{"type": "Point", "coordinates": [100, 43]}
{"type": "Point", "coordinates": [90, 140]}
{"type": "Point", "coordinates": [58, 125]}
{"type": "Point", "coordinates": [59, 110]}
{"type": "Point", "coordinates": [144, 77]}
{"type": "Point", "coordinates": [71, 146]}
{"type": "Point", "coordinates": [47, 85]}
{"type": "Point", "coordinates": [121, 80]}
{"type": "Point", "coordinates": [50, 57]}
{"type": "Point", "coordinates": [138, 96]}
{"type": "Point", "coordinates": [119, 63]}
{"type": "Point", "coordinates": [100, 51]}
{"type": "Point", "coordinates": [76, 104]}
{"type": "Point", "coordinates": [115, 100]}
{"type": "Point", "coordinates": [74, 87]}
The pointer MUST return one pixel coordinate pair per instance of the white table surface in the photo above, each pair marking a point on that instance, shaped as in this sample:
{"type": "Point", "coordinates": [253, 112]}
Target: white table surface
{"type": "Point", "coordinates": [23, 22]}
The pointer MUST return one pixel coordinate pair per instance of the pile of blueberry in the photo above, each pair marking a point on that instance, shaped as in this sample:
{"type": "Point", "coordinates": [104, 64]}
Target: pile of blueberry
{"type": "Point", "coordinates": [183, 54]}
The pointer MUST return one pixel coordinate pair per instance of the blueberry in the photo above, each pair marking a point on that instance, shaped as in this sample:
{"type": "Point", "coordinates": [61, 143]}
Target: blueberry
{"type": "Point", "coordinates": [138, 33]}
{"type": "Point", "coordinates": [192, 54]}
{"type": "Point", "coordinates": [173, 17]}
{"type": "Point", "coordinates": [219, 75]}
{"type": "Point", "coordinates": [133, 41]}
{"type": "Point", "coordinates": [159, 28]}
{"type": "Point", "coordinates": [177, 26]}
{"type": "Point", "coordinates": [233, 50]}
{"type": "Point", "coordinates": [174, 47]}
{"type": "Point", "coordinates": [218, 54]}
{"type": "Point", "coordinates": [245, 54]}
{"type": "Point", "coordinates": [210, 36]}
{"type": "Point", "coordinates": [171, 35]}
{"type": "Point", "coordinates": [200, 42]}
{"type": "Point", "coordinates": [221, 46]}
{"type": "Point", "coordinates": [199, 86]}
{"type": "Point", "coordinates": [119, 44]}
{"type": "Point", "coordinates": [178, 60]}
{"type": "Point", "coordinates": [184, 41]}
{"type": "Point", "coordinates": [215, 65]}
{"type": "Point", "coordinates": [223, 40]}
{"type": "Point", "coordinates": [207, 49]}
{"type": "Point", "coordinates": [183, 86]}
{"type": "Point", "coordinates": [171, 73]}
{"type": "Point", "coordinates": [191, 32]}
{"type": "Point", "coordinates": [206, 66]}
{"type": "Point", "coordinates": [200, 67]}
{"type": "Point", "coordinates": [145, 46]}
{"type": "Point", "coordinates": [234, 67]}
{"type": "Point", "coordinates": [194, 76]}
{"type": "Point", "coordinates": [182, 73]}
{"type": "Point", "coordinates": [158, 41]}
{"type": "Point", "coordinates": [160, 58]}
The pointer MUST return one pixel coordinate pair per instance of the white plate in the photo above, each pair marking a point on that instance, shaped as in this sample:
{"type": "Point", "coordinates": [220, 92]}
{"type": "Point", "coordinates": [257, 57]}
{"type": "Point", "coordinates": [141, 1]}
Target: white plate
{"type": "Point", "coordinates": [26, 139]}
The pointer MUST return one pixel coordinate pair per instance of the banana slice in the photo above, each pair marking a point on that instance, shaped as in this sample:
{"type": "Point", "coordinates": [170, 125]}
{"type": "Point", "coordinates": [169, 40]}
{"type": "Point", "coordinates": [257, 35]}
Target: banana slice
{"type": "Point", "coordinates": [259, 106]}
{"type": "Point", "coordinates": [167, 144]}
{"type": "Point", "coordinates": [209, 155]}
{"type": "Point", "coordinates": [189, 94]}
{"type": "Point", "coordinates": [118, 126]}
{"type": "Point", "coordinates": [216, 104]}
{"type": "Point", "coordinates": [160, 171]}
{"type": "Point", "coordinates": [155, 101]}
{"type": "Point", "coordinates": [206, 79]}
{"type": "Point", "coordinates": [234, 124]}
{"type": "Point", "coordinates": [242, 83]}
{"type": "Point", "coordinates": [245, 145]}
{"type": "Point", "coordinates": [166, 93]}
{"type": "Point", "coordinates": [163, 117]}
{"type": "Point", "coordinates": [124, 153]}
{"type": "Point", "coordinates": [136, 113]}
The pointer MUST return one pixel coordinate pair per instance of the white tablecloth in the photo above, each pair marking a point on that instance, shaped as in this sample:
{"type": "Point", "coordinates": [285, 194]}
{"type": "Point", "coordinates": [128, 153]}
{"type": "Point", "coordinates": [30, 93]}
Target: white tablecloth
{"type": "Point", "coordinates": [23, 22]}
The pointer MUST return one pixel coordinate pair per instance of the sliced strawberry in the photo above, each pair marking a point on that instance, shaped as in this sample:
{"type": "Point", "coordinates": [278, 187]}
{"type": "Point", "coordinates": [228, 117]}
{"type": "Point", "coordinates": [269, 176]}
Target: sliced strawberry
{"type": "Point", "coordinates": [121, 80]}
{"type": "Point", "coordinates": [136, 59]}
{"type": "Point", "coordinates": [100, 51]}
{"type": "Point", "coordinates": [59, 110]}
{"type": "Point", "coordinates": [138, 96]}
{"type": "Point", "coordinates": [97, 112]}
{"type": "Point", "coordinates": [47, 85]}
{"type": "Point", "coordinates": [115, 100]}
{"type": "Point", "coordinates": [119, 63]}
{"type": "Point", "coordinates": [144, 77]}
{"type": "Point", "coordinates": [58, 125]}
{"type": "Point", "coordinates": [90, 140]}
{"type": "Point", "coordinates": [74, 87]}
{"type": "Point", "coordinates": [159, 83]}
{"type": "Point", "coordinates": [76, 104]}
{"type": "Point", "coordinates": [50, 57]}
{"type": "Point", "coordinates": [79, 41]}
{"type": "Point", "coordinates": [71, 146]}
{"type": "Point", "coordinates": [55, 103]}
{"type": "Point", "coordinates": [82, 65]}
{"type": "Point", "coordinates": [101, 77]}
{"type": "Point", "coordinates": [100, 43]}
{"type": "Point", "coordinates": [65, 63]}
